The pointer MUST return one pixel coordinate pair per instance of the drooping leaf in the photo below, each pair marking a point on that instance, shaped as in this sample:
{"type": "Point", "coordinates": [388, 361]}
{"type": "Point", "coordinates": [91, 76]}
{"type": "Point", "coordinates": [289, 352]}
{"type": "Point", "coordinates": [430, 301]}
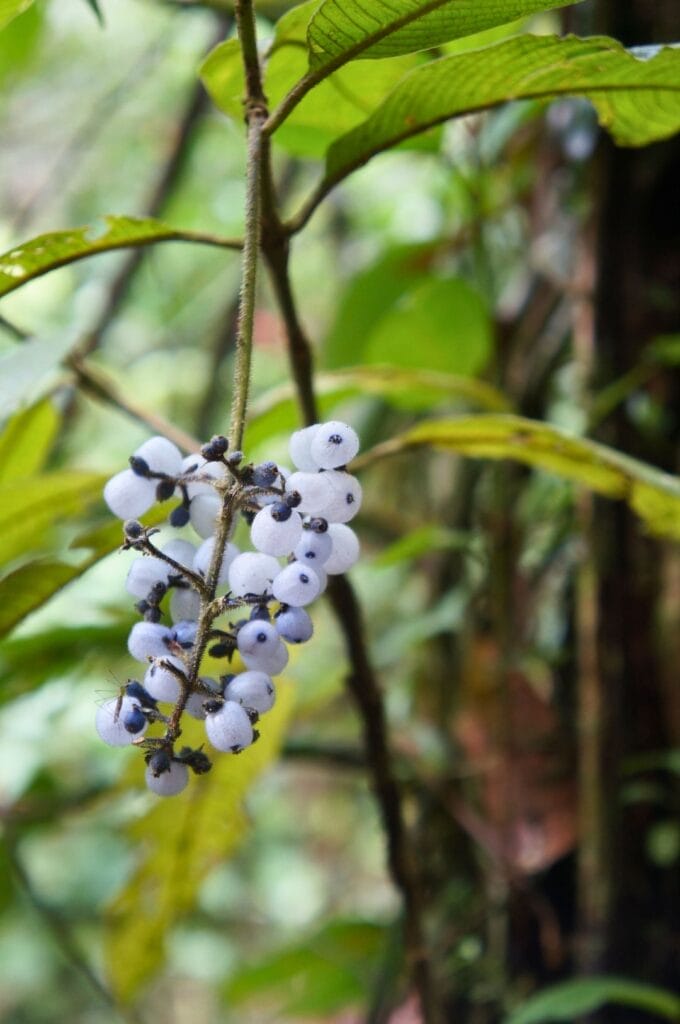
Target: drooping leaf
{"type": "Point", "coordinates": [29, 509]}
{"type": "Point", "coordinates": [26, 441]}
{"type": "Point", "coordinates": [276, 411]}
{"type": "Point", "coordinates": [636, 99]}
{"type": "Point", "coordinates": [573, 999]}
{"type": "Point", "coordinates": [332, 969]}
{"type": "Point", "coordinates": [19, 41]}
{"type": "Point", "coordinates": [180, 841]}
{"type": "Point", "coordinates": [58, 248]}
{"type": "Point", "coordinates": [342, 30]}
{"type": "Point", "coordinates": [652, 494]}
{"type": "Point", "coordinates": [9, 9]}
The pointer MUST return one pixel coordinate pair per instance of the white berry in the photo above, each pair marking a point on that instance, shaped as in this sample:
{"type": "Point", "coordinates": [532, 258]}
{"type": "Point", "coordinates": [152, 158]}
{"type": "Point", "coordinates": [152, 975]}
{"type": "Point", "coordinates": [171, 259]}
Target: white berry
{"type": "Point", "coordinates": [297, 584]}
{"type": "Point", "coordinates": [252, 690]}
{"type": "Point", "coordinates": [334, 444]}
{"type": "Point", "coordinates": [229, 729]}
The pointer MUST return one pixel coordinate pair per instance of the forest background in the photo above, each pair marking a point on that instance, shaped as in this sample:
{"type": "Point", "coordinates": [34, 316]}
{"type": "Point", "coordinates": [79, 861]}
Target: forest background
{"type": "Point", "coordinates": [494, 307]}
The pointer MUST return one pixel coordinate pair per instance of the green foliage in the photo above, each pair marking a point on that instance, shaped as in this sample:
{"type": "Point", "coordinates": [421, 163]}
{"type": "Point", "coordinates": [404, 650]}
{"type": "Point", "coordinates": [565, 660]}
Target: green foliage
{"type": "Point", "coordinates": [330, 970]}
{"type": "Point", "coordinates": [654, 495]}
{"type": "Point", "coordinates": [9, 9]}
{"type": "Point", "coordinates": [334, 107]}
{"type": "Point", "coordinates": [28, 512]}
{"type": "Point", "coordinates": [29, 586]}
{"type": "Point", "coordinates": [179, 840]}
{"type": "Point", "coordinates": [276, 410]}
{"type": "Point", "coordinates": [635, 99]}
{"type": "Point", "coordinates": [59, 248]}
{"type": "Point", "coordinates": [573, 999]}
{"type": "Point", "coordinates": [26, 441]}
{"type": "Point", "coordinates": [344, 29]}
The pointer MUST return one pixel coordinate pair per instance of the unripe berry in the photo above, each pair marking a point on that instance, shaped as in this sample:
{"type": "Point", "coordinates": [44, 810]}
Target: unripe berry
{"type": "Point", "coordinates": [299, 448]}
{"type": "Point", "coordinates": [170, 782]}
{"type": "Point", "coordinates": [346, 494]}
{"type": "Point", "coordinates": [270, 661]}
{"type": "Point", "coordinates": [252, 690]}
{"type": "Point", "coordinates": [334, 444]}
{"type": "Point", "coordinates": [297, 584]}
{"type": "Point", "coordinates": [149, 640]}
{"type": "Point", "coordinates": [313, 548]}
{"type": "Point", "coordinates": [111, 718]}
{"type": "Point", "coordinates": [273, 535]}
{"type": "Point", "coordinates": [294, 625]}
{"type": "Point", "coordinates": [252, 573]}
{"type": "Point", "coordinates": [229, 729]}
{"type": "Point", "coordinates": [314, 492]}
{"type": "Point", "coordinates": [345, 549]}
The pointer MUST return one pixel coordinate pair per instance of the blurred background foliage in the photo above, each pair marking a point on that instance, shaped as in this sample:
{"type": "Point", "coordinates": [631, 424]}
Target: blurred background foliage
{"type": "Point", "coordinates": [525, 631]}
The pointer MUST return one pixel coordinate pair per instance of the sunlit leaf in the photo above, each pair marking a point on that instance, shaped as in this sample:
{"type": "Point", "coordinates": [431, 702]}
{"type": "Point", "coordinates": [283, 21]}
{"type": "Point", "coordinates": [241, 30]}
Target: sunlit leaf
{"type": "Point", "coordinates": [573, 999]}
{"type": "Point", "coordinates": [341, 30]}
{"type": "Point", "coordinates": [28, 511]}
{"type": "Point", "coordinates": [9, 9]}
{"type": "Point", "coordinates": [636, 99]}
{"type": "Point", "coordinates": [26, 441]}
{"type": "Point", "coordinates": [30, 368]}
{"type": "Point", "coordinates": [277, 411]}
{"type": "Point", "coordinates": [58, 248]}
{"type": "Point", "coordinates": [654, 495]}
{"type": "Point", "coordinates": [179, 841]}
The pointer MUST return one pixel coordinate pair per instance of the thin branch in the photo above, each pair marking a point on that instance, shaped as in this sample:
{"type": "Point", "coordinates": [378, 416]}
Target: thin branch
{"type": "Point", "coordinates": [63, 936]}
{"type": "Point", "coordinates": [92, 382]}
{"type": "Point", "coordinates": [362, 683]}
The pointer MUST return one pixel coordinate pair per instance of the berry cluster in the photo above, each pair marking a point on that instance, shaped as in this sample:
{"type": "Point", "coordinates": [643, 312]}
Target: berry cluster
{"type": "Point", "coordinates": [298, 526]}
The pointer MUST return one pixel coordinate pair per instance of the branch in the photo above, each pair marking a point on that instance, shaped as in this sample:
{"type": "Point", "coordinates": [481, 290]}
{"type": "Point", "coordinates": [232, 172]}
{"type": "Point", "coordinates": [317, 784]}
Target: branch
{"type": "Point", "coordinates": [95, 384]}
{"type": "Point", "coordinates": [362, 683]}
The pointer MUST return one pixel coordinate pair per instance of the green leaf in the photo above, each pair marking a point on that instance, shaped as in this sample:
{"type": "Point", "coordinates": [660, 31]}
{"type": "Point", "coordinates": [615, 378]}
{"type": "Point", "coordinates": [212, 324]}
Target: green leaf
{"type": "Point", "coordinates": [573, 999]}
{"type": "Point", "coordinates": [654, 495]}
{"type": "Point", "coordinates": [341, 30]}
{"type": "Point", "coordinates": [28, 587]}
{"type": "Point", "coordinates": [9, 9]}
{"type": "Point", "coordinates": [58, 248]}
{"type": "Point", "coordinates": [30, 367]}
{"type": "Point", "coordinates": [450, 322]}
{"type": "Point", "coordinates": [26, 441]}
{"type": "Point", "coordinates": [333, 968]}
{"type": "Point", "coordinates": [19, 42]}
{"type": "Point", "coordinates": [26, 662]}
{"type": "Point", "coordinates": [29, 510]}
{"type": "Point", "coordinates": [329, 110]}
{"type": "Point", "coordinates": [423, 541]}
{"type": "Point", "coordinates": [636, 99]}
{"type": "Point", "coordinates": [277, 411]}
{"type": "Point", "coordinates": [180, 840]}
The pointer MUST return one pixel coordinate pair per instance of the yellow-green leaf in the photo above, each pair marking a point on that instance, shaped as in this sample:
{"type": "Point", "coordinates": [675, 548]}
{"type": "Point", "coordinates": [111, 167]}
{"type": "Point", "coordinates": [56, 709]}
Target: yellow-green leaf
{"type": "Point", "coordinates": [26, 441]}
{"type": "Point", "coordinates": [10, 9]}
{"type": "Point", "coordinates": [635, 94]}
{"type": "Point", "coordinates": [574, 999]}
{"type": "Point", "coordinates": [277, 410]}
{"type": "Point", "coordinates": [30, 508]}
{"type": "Point", "coordinates": [654, 495]}
{"type": "Point", "coordinates": [58, 248]}
{"type": "Point", "coordinates": [180, 840]}
{"type": "Point", "coordinates": [342, 30]}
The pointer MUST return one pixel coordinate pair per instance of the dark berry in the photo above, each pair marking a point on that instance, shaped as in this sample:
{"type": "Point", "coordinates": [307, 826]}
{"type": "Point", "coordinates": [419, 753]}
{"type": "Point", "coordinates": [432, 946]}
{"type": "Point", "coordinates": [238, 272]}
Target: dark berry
{"type": "Point", "coordinates": [134, 721]}
{"type": "Point", "coordinates": [179, 516]}
{"type": "Point", "coordinates": [318, 525]}
{"type": "Point", "coordinates": [165, 490]}
{"type": "Point", "coordinates": [132, 529]}
{"type": "Point", "coordinates": [139, 466]}
{"type": "Point", "coordinates": [159, 762]}
{"type": "Point", "coordinates": [265, 474]}
{"type": "Point", "coordinates": [293, 499]}
{"type": "Point", "coordinates": [280, 512]}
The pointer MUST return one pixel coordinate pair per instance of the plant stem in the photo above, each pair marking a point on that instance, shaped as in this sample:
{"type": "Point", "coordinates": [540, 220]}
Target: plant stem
{"type": "Point", "coordinates": [256, 115]}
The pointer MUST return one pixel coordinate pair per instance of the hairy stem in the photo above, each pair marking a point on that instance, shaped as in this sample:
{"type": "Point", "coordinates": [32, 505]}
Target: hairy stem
{"type": "Point", "coordinates": [256, 115]}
